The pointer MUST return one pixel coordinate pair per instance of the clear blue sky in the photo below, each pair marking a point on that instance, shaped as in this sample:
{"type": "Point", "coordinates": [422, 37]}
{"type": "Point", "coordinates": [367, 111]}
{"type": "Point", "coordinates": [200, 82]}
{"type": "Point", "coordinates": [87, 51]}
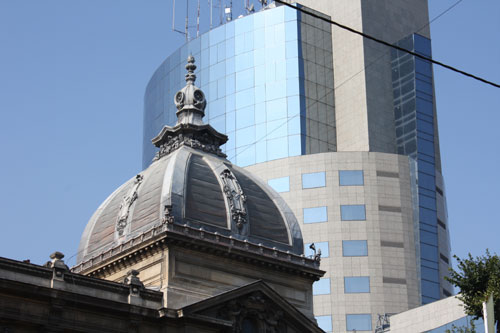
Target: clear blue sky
{"type": "Point", "coordinates": [72, 79]}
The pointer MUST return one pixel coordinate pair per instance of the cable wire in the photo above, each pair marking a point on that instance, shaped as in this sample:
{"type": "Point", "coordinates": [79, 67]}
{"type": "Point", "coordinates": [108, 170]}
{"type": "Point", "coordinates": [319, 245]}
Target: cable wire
{"type": "Point", "coordinates": [383, 42]}
{"type": "Point", "coordinates": [444, 12]}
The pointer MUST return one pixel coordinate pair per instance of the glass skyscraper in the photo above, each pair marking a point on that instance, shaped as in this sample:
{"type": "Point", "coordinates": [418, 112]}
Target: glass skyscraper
{"type": "Point", "coordinates": [268, 78]}
{"type": "Point", "coordinates": [345, 130]}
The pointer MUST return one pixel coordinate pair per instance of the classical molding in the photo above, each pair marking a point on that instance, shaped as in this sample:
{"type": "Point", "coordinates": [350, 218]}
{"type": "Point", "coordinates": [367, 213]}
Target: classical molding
{"type": "Point", "coordinates": [163, 235]}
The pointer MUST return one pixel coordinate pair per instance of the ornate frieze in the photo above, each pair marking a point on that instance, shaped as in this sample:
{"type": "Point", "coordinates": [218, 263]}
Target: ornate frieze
{"type": "Point", "coordinates": [197, 140]}
{"type": "Point", "coordinates": [253, 313]}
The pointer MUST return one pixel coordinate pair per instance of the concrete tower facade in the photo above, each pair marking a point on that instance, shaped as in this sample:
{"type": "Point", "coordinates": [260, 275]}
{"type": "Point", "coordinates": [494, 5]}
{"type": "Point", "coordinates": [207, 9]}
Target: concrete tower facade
{"type": "Point", "coordinates": [345, 130]}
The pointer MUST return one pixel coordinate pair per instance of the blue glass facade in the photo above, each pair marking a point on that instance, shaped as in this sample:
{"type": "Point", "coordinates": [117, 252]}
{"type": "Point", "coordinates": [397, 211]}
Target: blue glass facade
{"type": "Point", "coordinates": [415, 134]}
{"type": "Point", "coordinates": [268, 80]}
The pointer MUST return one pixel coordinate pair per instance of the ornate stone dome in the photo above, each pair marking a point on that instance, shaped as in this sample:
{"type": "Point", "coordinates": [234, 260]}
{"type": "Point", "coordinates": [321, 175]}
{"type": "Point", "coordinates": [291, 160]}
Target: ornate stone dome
{"type": "Point", "coordinates": [192, 184]}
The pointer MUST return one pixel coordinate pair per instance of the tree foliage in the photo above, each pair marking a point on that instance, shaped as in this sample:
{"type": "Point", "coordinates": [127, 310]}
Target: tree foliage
{"type": "Point", "coordinates": [471, 328]}
{"type": "Point", "coordinates": [477, 278]}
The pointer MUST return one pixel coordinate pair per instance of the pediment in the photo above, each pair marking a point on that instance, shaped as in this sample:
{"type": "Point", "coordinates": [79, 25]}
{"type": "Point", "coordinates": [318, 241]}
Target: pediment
{"type": "Point", "coordinates": [253, 308]}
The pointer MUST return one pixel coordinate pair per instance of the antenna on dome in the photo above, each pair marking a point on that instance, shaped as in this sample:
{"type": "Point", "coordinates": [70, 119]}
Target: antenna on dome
{"type": "Point", "coordinates": [249, 7]}
{"type": "Point", "coordinates": [210, 3]}
{"type": "Point", "coordinates": [198, 21]}
{"type": "Point", "coordinates": [185, 32]}
{"type": "Point", "coordinates": [228, 10]}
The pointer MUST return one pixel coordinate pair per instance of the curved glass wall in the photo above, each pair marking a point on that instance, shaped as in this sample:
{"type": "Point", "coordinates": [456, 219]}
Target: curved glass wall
{"type": "Point", "coordinates": [268, 79]}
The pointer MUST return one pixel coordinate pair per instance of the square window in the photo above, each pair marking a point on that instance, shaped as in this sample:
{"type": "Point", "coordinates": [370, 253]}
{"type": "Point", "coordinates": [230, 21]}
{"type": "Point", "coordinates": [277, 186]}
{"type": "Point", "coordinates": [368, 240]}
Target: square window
{"type": "Point", "coordinates": [353, 212]}
{"type": "Point", "coordinates": [354, 248]}
{"type": "Point", "coordinates": [321, 287]}
{"type": "Point", "coordinates": [280, 184]}
{"type": "Point", "coordinates": [356, 284]}
{"type": "Point", "coordinates": [359, 322]}
{"type": "Point", "coordinates": [323, 246]}
{"type": "Point", "coordinates": [351, 177]}
{"type": "Point", "coordinates": [312, 180]}
{"type": "Point", "coordinates": [315, 215]}
{"type": "Point", "coordinates": [325, 323]}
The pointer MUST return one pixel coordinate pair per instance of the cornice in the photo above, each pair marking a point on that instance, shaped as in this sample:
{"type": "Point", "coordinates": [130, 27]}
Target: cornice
{"type": "Point", "coordinates": [165, 234]}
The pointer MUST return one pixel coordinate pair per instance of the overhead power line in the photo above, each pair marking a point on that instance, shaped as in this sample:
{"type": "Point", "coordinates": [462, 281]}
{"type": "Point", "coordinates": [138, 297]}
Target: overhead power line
{"type": "Point", "coordinates": [380, 41]}
{"type": "Point", "coordinates": [444, 12]}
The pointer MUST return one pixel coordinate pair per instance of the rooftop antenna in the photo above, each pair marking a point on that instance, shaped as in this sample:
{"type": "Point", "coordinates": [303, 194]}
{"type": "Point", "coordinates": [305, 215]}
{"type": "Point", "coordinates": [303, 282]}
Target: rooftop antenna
{"type": "Point", "coordinates": [228, 10]}
{"type": "Point", "coordinates": [249, 7]}
{"type": "Point", "coordinates": [210, 3]}
{"type": "Point", "coordinates": [185, 32]}
{"type": "Point", "coordinates": [198, 21]}
{"type": "Point", "coordinates": [220, 12]}
{"type": "Point", "coordinates": [187, 20]}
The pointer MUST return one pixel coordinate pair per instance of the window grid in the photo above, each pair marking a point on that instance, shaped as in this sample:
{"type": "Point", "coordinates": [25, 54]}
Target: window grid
{"type": "Point", "coordinates": [353, 212]}
{"type": "Point", "coordinates": [354, 248]}
{"type": "Point", "coordinates": [356, 284]}
{"type": "Point", "coordinates": [321, 287]}
{"type": "Point", "coordinates": [359, 322]}
{"type": "Point", "coordinates": [280, 185]}
{"type": "Point", "coordinates": [315, 214]}
{"type": "Point", "coordinates": [313, 180]}
{"type": "Point", "coordinates": [351, 178]}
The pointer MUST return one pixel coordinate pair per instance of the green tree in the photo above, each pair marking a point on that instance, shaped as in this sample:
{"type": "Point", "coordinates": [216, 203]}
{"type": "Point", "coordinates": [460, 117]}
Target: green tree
{"type": "Point", "coordinates": [471, 328]}
{"type": "Point", "coordinates": [477, 278]}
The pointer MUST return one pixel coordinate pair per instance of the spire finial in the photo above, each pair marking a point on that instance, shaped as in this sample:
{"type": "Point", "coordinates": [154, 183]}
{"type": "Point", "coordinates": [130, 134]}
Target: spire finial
{"type": "Point", "coordinates": [190, 66]}
{"type": "Point", "coordinates": [190, 129]}
{"type": "Point", "coordinates": [190, 100]}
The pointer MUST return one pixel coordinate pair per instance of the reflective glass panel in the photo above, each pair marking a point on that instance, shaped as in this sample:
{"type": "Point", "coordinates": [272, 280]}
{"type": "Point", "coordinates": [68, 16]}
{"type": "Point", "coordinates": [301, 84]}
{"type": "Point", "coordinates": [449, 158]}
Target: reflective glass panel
{"type": "Point", "coordinates": [280, 184]}
{"type": "Point", "coordinates": [427, 202]}
{"type": "Point", "coordinates": [315, 214]}
{"type": "Point", "coordinates": [356, 284]}
{"type": "Point", "coordinates": [277, 148]}
{"type": "Point", "coordinates": [354, 248]}
{"type": "Point", "coordinates": [245, 136]}
{"type": "Point", "coordinates": [321, 287]}
{"type": "Point", "coordinates": [353, 212]}
{"type": "Point", "coordinates": [359, 322]}
{"type": "Point", "coordinates": [324, 322]}
{"type": "Point", "coordinates": [311, 180]}
{"type": "Point", "coordinates": [294, 145]}
{"type": "Point", "coordinates": [323, 246]}
{"type": "Point", "coordinates": [244, 79]}
{"type": "Point", "coordinates": [429, 252]}
{"type": "Point", "coordinates": [351, 177]}
{"type": "Point", "coordinates": [430, 274]}
{"type": "Point", "coordinates": [430, 289]}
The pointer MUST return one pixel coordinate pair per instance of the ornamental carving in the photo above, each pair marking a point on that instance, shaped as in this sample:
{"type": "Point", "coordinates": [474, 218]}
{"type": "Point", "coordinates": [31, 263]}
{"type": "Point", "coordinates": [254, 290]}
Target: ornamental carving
{"type": "Point", "coordinates": [317, 254]}
{"type": "Point", "coordinates": [235, 197]}
{"type": "Point", "coordinates": [126, 204]}
{"type": "Point", "coordinates": [167, 215]}
{"type": "Point", "coordinates": [253, 313]}
{"type": "Point", "coordinates": [201, 141]}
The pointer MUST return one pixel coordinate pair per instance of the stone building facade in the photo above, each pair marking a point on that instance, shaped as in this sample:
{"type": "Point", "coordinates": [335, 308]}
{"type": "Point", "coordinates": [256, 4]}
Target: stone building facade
{"type": "Point", "coordinates": [191, 244]}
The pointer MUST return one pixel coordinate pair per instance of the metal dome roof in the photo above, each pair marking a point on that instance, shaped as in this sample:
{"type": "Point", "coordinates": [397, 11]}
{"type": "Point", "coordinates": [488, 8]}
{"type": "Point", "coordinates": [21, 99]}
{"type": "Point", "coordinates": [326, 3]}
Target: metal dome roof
{"type": "Point", "coordinates": [191, 183]}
